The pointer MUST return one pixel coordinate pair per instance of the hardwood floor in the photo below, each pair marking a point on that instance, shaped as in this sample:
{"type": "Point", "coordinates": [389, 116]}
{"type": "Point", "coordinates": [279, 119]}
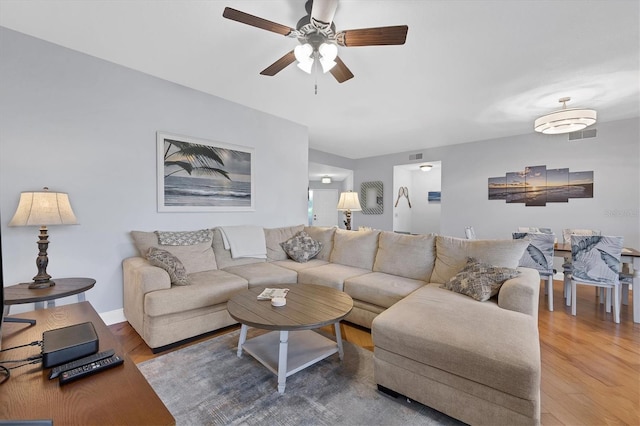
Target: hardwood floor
{"type": "Point", "coordinates": [590, 365]}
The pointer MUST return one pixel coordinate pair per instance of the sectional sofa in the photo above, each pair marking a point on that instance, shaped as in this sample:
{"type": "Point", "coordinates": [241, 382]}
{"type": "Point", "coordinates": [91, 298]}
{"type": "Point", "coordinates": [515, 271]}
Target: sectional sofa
{"type": "Point", "coordinates": [476, 361]}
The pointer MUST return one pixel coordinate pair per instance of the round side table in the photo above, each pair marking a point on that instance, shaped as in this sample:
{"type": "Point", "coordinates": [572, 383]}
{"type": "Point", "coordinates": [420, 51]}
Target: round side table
{"type": "Point", "coordinates": [21, 293]}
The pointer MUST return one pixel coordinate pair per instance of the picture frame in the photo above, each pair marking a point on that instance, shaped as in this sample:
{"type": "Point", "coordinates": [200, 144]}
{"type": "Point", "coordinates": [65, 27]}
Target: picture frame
{"type": "Point", "coordinates": [199, 175]}
{"type": "Point", "coordinates": [371, 197]}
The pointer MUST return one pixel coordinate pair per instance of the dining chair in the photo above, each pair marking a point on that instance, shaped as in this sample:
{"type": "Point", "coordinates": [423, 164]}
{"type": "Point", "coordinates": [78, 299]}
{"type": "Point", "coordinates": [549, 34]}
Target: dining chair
{"type": "Point", "coordinates": [596, 262]}
{"type": "Point", "coordinates": [539, 256]}
{"type": "Point", "coordinates": [566, 266]}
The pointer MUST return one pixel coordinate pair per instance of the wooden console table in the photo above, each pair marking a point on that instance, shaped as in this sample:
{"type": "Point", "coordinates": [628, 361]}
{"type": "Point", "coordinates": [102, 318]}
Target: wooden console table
{"type": "Point", "coordinates": [119, 396]}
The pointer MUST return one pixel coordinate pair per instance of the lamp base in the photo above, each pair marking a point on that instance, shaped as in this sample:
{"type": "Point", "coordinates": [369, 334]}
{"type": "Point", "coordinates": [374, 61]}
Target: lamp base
{"type": "Point", "coordinates": [46, 284]}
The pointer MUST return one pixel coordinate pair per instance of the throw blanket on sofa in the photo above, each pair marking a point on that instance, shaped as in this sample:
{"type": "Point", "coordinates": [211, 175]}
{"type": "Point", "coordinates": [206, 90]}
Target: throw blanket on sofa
{"type": "Point", "coordinates": [244, 241]}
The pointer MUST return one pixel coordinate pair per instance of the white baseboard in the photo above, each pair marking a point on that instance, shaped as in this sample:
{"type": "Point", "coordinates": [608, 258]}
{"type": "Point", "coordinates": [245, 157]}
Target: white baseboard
{"type": "Point", "coordinates": [113, 317]}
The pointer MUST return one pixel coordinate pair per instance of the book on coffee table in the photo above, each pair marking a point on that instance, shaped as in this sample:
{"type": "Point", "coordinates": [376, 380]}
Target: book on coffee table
{"type": "Point", "coordinates": [270, 293]}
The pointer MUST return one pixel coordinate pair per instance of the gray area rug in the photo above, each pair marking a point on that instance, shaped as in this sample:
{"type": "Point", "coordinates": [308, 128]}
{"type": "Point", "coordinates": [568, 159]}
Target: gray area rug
{"type": "Point", "coordinates": [207, 384]}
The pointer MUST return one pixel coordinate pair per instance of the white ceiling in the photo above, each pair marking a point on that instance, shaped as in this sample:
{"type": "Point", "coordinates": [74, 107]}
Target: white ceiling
{"type": "Point", "coordinates": [470, 70]}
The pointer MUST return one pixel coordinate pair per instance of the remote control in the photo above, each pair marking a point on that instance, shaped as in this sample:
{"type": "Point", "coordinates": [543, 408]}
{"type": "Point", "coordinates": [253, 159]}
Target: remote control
{"type": "Point", "coordinates": [55, 371]}
{"type": "Point", "coordinates": [89, 369]}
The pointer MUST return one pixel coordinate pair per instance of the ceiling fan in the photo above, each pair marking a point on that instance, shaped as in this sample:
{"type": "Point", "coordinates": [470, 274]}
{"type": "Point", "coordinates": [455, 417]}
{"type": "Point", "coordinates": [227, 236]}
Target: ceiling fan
{"type": "Point", "coordinates": [318, 38]}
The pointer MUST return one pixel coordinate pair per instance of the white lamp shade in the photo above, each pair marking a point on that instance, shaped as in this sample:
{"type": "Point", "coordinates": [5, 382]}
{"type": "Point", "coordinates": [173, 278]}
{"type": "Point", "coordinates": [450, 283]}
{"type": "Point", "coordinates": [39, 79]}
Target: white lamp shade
{"type": "Point", "coordinates": [43, 208]}
{"type": "Point", "coordinates": [565, 121]}
{"type": "Point", "coordinates": [349, 201]}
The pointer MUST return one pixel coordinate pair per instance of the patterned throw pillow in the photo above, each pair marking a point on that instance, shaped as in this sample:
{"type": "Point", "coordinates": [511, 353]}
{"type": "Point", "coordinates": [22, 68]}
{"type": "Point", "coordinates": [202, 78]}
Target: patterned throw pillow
{"type": "Point", "coordinates": [480, 280]}
{"type": "Point", "coordinates": [185, 238]}
{"type": "Point", "coordinates": [170, 263]}
{"type": "Point", "coordinates": [301, 247]}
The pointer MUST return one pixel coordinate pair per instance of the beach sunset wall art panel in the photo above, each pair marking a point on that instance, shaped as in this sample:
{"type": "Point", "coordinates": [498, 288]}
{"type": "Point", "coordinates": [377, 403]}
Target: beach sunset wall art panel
{"type": "Point", "coordinates": [196, 175]}
{"type": "Point", "coordinates": [537, 186]}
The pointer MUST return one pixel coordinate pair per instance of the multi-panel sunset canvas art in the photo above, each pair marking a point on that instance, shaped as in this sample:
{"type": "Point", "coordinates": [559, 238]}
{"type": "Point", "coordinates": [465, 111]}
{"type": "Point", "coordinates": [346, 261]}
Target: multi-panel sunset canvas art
{"type": "Point", "coordinates": [537, 186]}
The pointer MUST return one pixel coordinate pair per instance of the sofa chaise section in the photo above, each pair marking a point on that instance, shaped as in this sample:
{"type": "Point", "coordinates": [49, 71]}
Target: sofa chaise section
{"type": "Point", "coordinates": [476, 361]}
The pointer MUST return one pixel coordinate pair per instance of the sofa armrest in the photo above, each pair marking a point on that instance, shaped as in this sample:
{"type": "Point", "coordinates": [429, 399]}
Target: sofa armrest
{"type": "Point", "coordinates": [140, 278]}
{"type": "Point", "coordinates": [521, 293]}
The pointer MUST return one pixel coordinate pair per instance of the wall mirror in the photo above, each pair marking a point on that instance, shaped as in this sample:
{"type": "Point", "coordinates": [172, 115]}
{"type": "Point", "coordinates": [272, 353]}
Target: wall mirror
{"type": "Point", "coordinates": [371, 197]}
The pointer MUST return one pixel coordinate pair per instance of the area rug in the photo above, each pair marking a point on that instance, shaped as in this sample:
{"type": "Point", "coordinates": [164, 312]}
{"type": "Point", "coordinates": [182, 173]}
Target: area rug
{"type": "Point", "coordinates": [207, 384]}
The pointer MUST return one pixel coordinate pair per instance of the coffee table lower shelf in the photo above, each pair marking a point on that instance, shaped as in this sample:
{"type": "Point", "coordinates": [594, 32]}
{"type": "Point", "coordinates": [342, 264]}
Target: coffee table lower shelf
{"type": "Point", "coordinates": [292, 350]}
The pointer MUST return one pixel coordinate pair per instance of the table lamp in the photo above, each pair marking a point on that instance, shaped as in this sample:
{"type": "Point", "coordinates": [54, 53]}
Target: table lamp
{"type": "Point", "coordinates": [41, 209]}
{"type": "Point", "coordinates": [348, 202]}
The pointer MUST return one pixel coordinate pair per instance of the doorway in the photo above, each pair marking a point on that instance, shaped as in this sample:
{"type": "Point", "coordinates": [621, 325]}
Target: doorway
{"type": "Point", "coordinates": [423, 188]}
{"type": "Point", "coordinates": [322, 207]}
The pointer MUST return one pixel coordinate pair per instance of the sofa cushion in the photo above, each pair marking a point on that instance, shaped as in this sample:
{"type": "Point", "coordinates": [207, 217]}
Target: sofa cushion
{"type": "Point", "coordinates": [170, 263]}
{"type": "Point", "coordinates": [478, 341]}
{"type": "Point", "coordinates": [323, 235]}
{"type": "Point", "coordinates": [409, 256]}
{"type": "Point", "coordinates": [264, 273]}
{"type": "Point", "coordinates": [296, 266]}
{"type": "Point", "coordinates": [330, 275]}
{"type": "Point", "coordinates": [355, 248]}
{"type": "Point", "coordinates": [223, 256]}
{"type": "Point", "coordinates": [380, 289]}
{"type": "Point", "coordinates": [207, 288]}
{"type": "Point", "coordinates": [452, 254]}
{"type": "Point", "coordinates": [276, 236]}
{"type": "Point", "coordinates": [479, 280]}
{"type": "Point", "coordinates": [301, 247]}
{"type": "Point", "coordinates": [195, 258]}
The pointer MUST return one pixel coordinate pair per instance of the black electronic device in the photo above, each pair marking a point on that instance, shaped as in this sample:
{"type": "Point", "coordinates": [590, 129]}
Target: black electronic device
{"type": "Point", "coordinates": [89, 369]}
{"type": "Point", "coordinates": [68, 343]}
{"type": "Point", "coordinates": [55, 371]}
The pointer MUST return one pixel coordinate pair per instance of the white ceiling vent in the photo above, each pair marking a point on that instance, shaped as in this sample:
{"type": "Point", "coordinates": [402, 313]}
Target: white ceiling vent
{"type": "Point", "coordinates": [415, 156]}
{"type": "Point", "coordinates": [583, 134]}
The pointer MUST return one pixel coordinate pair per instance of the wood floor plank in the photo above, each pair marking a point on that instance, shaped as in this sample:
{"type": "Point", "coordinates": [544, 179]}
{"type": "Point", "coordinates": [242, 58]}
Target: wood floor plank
{"type": "Point", "coordinates": [590, 365]}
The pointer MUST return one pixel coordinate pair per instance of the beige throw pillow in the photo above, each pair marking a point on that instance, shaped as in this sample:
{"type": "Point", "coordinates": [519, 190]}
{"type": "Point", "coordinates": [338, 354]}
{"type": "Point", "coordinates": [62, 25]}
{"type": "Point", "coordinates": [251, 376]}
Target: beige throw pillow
{"type": "Point", "coordinates": [170, 263]}
{"type": "Point", "coordinates": [480, 280]}
{"type": "Point", "coordinates": [302, 247]}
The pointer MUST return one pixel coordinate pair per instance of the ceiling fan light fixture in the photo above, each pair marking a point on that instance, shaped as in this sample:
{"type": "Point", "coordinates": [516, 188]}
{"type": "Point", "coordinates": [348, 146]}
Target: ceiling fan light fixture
{"type": "Point", "coordinates": [328, 51]}
{"type": "Point", "coordinates": [306, 66]}
{"type": "Point", "coordinates": [565, 120]}
{"type": "Point", "coordinates": [303, 52]}
{"type": "Point", "coordinates": [327, 65]}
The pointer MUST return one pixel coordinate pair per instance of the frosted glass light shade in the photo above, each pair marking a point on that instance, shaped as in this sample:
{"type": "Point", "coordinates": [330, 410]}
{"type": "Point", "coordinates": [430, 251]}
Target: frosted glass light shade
{"type": "Point", "coordinates": [42, 209]}
{"type": "Point", "coordinates": [565, 121]}
{"type": "Point", "coordinates": [349, 201]}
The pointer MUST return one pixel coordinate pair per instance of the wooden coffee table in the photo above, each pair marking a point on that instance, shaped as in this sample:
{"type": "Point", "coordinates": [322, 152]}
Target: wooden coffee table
{"type": "Point", "coordinates": [293, 345]}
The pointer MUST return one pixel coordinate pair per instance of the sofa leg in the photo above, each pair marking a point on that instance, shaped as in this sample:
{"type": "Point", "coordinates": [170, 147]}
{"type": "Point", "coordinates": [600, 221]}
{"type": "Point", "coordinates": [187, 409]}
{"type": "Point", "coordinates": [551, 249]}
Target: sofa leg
{"type": "Point", "coordinates": [388, 391]}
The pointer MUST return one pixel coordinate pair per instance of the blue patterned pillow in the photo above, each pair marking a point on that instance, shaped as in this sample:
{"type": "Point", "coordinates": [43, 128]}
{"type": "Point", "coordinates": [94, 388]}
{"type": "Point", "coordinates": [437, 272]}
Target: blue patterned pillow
{"type": "Point", "coordinates": [301, 247]}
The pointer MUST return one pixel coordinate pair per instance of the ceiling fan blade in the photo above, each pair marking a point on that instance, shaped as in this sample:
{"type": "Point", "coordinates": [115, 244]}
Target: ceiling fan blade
{"type": "Point", "coordinates": [323, 11]}
{"type": "Point", "coordinates": [279, 65]}
{"type": "Point", "coordinates": [340, 71]}
{"type": "Point", "coordinates": [380, 36]}
{"type": "Point", "coordinates": [254, 21]}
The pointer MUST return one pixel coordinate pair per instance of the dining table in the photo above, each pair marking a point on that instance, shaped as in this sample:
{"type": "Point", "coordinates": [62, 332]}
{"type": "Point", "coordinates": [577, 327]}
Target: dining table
{"type": "Point", "coordinates": [629, 256]}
